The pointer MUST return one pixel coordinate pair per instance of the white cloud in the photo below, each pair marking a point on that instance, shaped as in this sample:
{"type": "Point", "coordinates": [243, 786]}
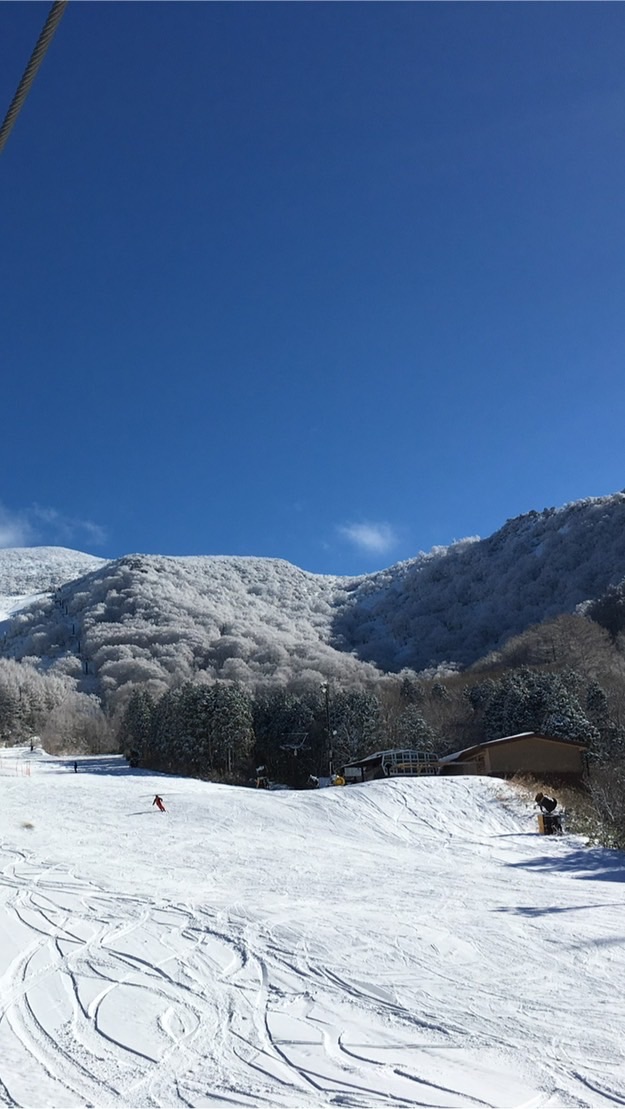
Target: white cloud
{"type": "Point", "coordinates": [68, 528]}
{"type": "Point", "coordinates": [39, 525]}
{"type": "Point", "coordinates": [377, 538]}
{"type": "Point", "coordinates": [15, 529]}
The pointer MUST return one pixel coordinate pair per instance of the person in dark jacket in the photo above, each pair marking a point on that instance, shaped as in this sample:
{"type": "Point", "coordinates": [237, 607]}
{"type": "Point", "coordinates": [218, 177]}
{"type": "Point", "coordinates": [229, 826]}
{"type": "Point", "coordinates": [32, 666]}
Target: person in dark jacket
{"type": "Point", "coordinates": [547, 804]}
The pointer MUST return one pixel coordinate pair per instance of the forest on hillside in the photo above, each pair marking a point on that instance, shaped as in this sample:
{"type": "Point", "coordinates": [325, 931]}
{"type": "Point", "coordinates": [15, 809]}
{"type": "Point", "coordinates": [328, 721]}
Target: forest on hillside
{"type": "Point", "coordinates": [211, 666]}
{"type": "Point", "coordinates": [564, 678]}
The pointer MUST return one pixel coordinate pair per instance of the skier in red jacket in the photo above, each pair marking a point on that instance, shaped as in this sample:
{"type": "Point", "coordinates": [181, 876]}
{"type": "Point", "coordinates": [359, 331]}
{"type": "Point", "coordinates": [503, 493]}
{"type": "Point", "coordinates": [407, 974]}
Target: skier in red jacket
{"type": "Point", "coordinates": [158, 801]}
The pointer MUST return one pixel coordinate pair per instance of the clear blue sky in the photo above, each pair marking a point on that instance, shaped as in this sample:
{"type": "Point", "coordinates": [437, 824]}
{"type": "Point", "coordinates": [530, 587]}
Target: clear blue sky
{"type": "Point", "coordinates": [330, 282]}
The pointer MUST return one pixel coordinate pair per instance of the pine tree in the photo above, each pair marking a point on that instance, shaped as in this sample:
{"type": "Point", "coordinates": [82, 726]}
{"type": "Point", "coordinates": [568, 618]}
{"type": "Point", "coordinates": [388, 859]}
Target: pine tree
{"type": "Point", "coordinates": [413, 730]}
{"type": "Point", "coordinates": [136, 727]}
{"type": "Point", "coordinates": [355, 725]}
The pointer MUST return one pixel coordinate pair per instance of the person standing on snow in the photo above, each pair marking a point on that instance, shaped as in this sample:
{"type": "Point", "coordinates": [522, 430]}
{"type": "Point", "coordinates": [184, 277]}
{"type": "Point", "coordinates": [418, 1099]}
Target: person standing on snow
{"type": "Point", "coordinates": [548, 805]}
{"type": "Point", "coordinates": [158, 801]}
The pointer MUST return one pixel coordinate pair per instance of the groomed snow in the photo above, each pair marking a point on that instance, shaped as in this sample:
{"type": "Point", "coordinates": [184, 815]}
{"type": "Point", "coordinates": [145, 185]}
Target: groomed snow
{"type": "Point", "coordinates": [402, 943]}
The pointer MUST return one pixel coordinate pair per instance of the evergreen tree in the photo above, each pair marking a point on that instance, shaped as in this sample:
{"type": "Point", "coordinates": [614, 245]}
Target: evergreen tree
{"type": "Point", "coordinates": [136, 727]}
{"type": "Point", "coordinates": [609, 609]}
{"type": "Point", "coordinates": [231, 727]}
{"type": "Point", "coordinates": [289, 734]}
{"type": "Point", "coordinates": [411, 690]}
{"type": "Point", "coordinates": [413, 731]}
{"type": "Point", "coordinates": [9, 702]}
{"type": "Point", "coordinates": [597, 703]}
{"type": "Point", "coordinates": [165, 732]}
{"type": "Point", "coordinates": [354, 725]}
{"type": "Point", "coordinates": [532, 701]}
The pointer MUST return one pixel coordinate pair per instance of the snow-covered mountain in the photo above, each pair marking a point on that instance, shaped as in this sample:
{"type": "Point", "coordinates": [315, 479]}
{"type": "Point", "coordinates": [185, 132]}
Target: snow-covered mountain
{"type": "Point", "coordinates": [41, 569]}
{"type": "Point", "coordinates": [156, 619]}
{"type": "Point", "coordinates": [27, 572]}
{"type": "Point", "coordinates": [461, 602]}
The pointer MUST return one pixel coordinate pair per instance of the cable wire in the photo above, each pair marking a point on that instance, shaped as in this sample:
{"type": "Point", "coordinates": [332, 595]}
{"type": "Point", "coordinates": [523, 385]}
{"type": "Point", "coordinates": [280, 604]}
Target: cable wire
{"type": "Point", "coordinates": [36, 58]}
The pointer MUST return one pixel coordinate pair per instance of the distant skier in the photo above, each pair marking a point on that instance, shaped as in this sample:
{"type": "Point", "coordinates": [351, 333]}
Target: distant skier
{"type": "Point", "coordinates": [158, 801]}
{"type": "Point", "coordinates": [75, 768]}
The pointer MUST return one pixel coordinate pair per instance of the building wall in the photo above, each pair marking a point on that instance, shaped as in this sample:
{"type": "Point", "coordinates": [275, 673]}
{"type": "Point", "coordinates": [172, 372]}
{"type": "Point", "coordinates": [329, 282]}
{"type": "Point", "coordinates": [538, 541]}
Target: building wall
{"type": "Point", "coordinates": [456, 768]}
{"type": "Point", "coordinates": [533, 755]}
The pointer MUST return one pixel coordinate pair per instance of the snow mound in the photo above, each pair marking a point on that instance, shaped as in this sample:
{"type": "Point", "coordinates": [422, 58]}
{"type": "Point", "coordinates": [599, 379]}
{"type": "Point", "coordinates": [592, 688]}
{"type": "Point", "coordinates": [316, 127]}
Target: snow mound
{"type": "Point", "coordinates": [398, 943]}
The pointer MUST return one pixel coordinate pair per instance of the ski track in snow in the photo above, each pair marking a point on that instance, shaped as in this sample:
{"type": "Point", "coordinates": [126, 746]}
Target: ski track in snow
{"type": "Point", "coordinates": [487, 975]}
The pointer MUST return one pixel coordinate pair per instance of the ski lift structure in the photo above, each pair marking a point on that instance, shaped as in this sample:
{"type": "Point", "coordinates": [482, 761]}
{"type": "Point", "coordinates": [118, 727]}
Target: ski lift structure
{"type": "Point", "coordinates": [402, 763]}
{"type": "Point", "coordinates": [295, 743]}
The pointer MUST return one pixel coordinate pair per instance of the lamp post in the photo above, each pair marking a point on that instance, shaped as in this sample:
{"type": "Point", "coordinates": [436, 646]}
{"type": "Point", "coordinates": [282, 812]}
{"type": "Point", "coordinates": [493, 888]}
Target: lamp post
{"type": "Point", "coordinates": [329, 733]}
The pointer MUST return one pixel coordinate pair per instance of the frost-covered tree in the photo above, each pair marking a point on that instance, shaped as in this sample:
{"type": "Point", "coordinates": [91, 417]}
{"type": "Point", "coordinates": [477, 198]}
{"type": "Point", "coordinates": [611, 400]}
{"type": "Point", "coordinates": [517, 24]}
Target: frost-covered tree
{"type": "Point", "coordinates": [528, 700]}
{"type": "Point", "coordinates": [10, 729]}
{"type": "Point", "coordinates": [136, 727]}
{"type": "Point", "coordinates": [78, 725]}
{"type": "Point", "coordinates": [27, 697]}
{"type": "Point", "coordinates": [607, 789]}
{"type": "Point", "coordinates": [199, 729]}
{"type": "Point", "coordinates": [411, 689]}
{"type": "Point", "coordinates": [354, 724]}
{"type": "Point", "coordinates": [414, 731]}
{"type": "Point", "coordinates": [166, 733]}
{"type": "Point", "coordinates": [231, 727]}
{"type": "Point", "coordinates": [608, 610]}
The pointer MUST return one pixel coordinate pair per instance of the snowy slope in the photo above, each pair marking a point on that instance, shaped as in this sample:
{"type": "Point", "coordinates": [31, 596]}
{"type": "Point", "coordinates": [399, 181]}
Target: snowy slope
{"type": "Point", "coordinates": [398, 944]}
{"type": "Point", "coordinates": [28, 572]}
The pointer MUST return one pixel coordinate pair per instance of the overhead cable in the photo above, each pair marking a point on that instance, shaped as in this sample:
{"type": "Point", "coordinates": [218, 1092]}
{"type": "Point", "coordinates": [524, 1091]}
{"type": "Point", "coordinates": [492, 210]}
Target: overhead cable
{"type": "Point", "coordinates": [36, 58]}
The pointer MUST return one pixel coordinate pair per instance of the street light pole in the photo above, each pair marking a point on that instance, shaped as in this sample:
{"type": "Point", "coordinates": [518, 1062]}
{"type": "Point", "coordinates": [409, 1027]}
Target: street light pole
{"type": "Point", "coordinates": [326, 689]}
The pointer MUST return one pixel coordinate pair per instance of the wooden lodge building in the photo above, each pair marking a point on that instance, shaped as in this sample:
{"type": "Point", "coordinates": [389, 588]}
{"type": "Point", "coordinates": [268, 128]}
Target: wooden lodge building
{"type": "Point", "coordinates": [525, 753]}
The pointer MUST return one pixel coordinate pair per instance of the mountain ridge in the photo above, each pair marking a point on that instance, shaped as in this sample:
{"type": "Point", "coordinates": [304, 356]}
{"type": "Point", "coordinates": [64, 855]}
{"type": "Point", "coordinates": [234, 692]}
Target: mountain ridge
{"type": "Point", "coordinates": [159, 619]}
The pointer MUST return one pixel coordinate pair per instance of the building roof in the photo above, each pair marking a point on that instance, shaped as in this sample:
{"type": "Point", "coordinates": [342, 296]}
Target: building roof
{"type": "Point", "coordinates": [377, 756]}
{"type": "Point", "coordinates": [460, 756]}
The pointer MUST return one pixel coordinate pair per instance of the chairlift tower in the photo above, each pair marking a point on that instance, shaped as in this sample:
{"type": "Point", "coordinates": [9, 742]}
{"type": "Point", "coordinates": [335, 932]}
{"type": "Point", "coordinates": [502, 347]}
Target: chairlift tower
{"type": "Point", "coordinates": [295, 742]}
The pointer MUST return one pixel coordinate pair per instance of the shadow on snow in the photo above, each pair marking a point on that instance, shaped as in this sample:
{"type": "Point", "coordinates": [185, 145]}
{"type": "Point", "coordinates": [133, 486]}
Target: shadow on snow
{"type": "Point", "coordinates": [534, 910]}
{"type": "Point", "coordinates": [593, 863]}
{"type": "Point", "coordinates": [110, 764]}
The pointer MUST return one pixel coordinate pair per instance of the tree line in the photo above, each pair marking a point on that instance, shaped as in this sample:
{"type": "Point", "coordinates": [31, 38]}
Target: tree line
{"type": "Point", "coordinates": [564, 678]}
{"type": "Point", "coordinates": [224, 730]}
